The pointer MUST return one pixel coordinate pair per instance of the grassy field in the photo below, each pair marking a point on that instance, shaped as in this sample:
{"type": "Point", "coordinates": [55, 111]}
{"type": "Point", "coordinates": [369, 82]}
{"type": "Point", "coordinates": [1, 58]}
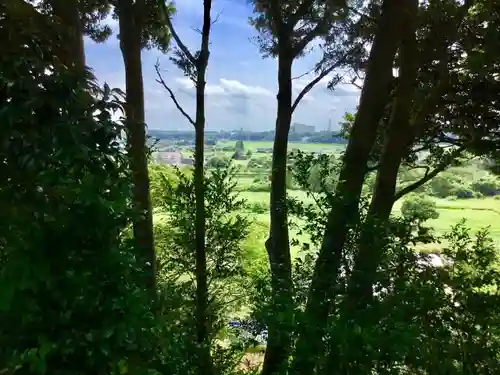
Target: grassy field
{"type": "Point", "coordinates": [479, 213]}
{"type": "Point", "coordinates": [254, 145]}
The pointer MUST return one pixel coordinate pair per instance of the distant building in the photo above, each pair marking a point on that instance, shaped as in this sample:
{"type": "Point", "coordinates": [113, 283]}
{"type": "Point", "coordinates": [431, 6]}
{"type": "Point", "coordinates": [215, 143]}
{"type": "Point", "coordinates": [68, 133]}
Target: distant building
{"type": "Point", "coordinates": [302, 128]}
{"type": "Point", "coordinates": [173, 158]}
{"type": "Point", "coordinates": [264, 150]}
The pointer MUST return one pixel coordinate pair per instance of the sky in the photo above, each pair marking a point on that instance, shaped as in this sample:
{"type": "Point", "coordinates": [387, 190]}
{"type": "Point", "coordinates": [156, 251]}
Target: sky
{"type": "Point", "coordinates": [241, 85]}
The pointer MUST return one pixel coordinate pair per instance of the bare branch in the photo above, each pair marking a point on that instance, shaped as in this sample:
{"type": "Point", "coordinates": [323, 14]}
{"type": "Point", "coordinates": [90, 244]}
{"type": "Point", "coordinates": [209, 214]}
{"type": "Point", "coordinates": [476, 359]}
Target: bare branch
{"type": "Point", "coordinates": [162, 82]}
{"type": "Point", "coordinates": [303, 74]}
{"type": "Point", "coordinates": [216, 19]}
{"type": "Point", "coordinates": [176, 37]}
{"type": "Point", "coordinates": [313, 83]}
{"type": "Point", "coordinates": [310, 86]}
{"type": "Point", "coordinates": [430, 175]}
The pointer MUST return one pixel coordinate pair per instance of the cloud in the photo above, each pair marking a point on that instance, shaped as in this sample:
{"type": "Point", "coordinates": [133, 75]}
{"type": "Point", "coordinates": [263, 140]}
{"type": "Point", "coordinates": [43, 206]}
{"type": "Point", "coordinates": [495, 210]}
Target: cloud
{"type": "Point", "coordinates": [229, 87]}
{"type": "Point", "coordinates": [241, 86]}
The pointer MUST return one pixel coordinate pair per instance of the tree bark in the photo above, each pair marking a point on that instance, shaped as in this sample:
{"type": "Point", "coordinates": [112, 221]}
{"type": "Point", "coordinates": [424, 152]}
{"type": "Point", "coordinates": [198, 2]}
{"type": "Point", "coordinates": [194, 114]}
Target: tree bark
{"type": "Point", "coordinates": [205, 364]}
{"type": "Point", "coordinates": [131, 46]}
{"type": "Point", "coordinates": [278, 246]}
{"type": "Point", "coordinates": [68, 14]}
{"type": "Point", "coordinates": [344, 212]}
{"type": "Point", "coordinates": [397, 143]}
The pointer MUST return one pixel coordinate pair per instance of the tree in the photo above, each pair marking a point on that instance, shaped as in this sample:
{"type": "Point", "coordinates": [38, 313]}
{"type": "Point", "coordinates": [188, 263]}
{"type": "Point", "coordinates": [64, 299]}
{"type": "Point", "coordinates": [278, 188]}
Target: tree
{"type": "Point", "coordinates": [374, 97]}
{"type": "Point", "coordinates": [419, 207]}
{"type": "Point", "coordinates": [286, 29]}
{"type": "Point", "coordinates": [77, 18]}
{"type": "Point", "coordinates": [70, 302]}
{"type": "Point", "coordinates": [194, 66]}
{"type": "Point", "coordinates": [176, 240]}
{"type": "Point", "coordinates": [218, 162]}
{"type": "Point", "coordinates": [405, 112]}
{"type": "Point", "coordinates": [239, 147]}
{"type": "Point", "coordinates": [140, 24]}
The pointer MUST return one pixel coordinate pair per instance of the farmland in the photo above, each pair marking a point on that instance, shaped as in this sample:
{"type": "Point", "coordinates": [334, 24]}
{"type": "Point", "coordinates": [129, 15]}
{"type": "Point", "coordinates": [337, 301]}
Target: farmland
{"type": "Point", "coordinates": [253, 163]}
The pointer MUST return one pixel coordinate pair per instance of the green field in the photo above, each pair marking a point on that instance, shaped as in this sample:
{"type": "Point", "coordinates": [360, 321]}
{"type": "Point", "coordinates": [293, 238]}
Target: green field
{"type": "Point", "coordinates": [479, 212]}
{"type": "Point", "coordinates": [254, 145]}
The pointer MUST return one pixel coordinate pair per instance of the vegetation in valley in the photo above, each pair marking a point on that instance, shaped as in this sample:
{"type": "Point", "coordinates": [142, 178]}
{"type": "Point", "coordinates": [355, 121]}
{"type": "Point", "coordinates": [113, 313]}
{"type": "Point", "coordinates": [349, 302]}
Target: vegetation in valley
{"type": "Point", "coordinates": [371, 250]}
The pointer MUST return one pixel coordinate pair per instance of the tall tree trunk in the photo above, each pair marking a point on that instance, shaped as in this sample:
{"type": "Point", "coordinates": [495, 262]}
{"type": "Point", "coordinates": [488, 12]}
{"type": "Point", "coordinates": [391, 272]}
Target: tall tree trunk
{"type": "Point", "coordinates": [205, 364]}
{"type": "Point", "coordinates": [278, 247]}
{"type": "Point", "coordinates": [131, 46]}
{"type": "Point", "coordinates": [68, 14]}
{"type": "Point", "coordinates": [397, 143]}
{"type": "Point", "coordinates": [344, 211]}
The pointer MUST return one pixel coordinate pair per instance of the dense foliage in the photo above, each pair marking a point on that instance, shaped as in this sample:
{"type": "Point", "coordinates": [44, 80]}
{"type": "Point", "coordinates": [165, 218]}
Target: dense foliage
{"type": "Point", "coordinates": [341, 286]}
{"type": "Point", "coordinates": [70, 303]}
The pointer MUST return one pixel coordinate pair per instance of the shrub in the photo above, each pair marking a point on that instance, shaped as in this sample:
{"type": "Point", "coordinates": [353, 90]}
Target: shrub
{"type": "Point", "coordinates": [218, 161]}
{"type": "Point", "coordinates": [261, 186]}
{"type": "Point", "coordinates": [419, 207]}
{"type": "Point", "coordinates": [71, 286]}
{"type": "Point", "coordinates": [441, 187]}
{"type": "Point", "coordinates": [239, 155]}
{"type": "Point", "coordinates": [487, 187]}
{"type": "Point", "coordinates": [257, 207]}
{"type": "Point", "coordinates": [464, 192]}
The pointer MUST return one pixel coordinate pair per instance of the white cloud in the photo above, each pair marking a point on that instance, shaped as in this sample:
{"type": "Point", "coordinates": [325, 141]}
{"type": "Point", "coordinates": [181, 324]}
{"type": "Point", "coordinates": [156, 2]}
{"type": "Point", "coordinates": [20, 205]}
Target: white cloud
{"type": "Point", "coordinates": [185, 83]}
{"type": "Point", "coordinates": [242, 87]}
{"type": "Point", "coordinates": [228, 87]}
{"type": "Point", "coordinates": [233, 87]}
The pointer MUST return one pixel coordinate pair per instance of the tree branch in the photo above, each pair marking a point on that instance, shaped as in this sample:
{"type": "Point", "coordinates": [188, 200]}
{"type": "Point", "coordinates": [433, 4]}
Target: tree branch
{"type": "Point", "coordinates": [313, 83]}
{"type": "Point", "coordinates": [430, 175]}
{"type": "Point", "coordinates": [308, 38]}
{"type": "Point", "coordinates": [162, 82]}
{"type": "Point", "coordinates": [304, 74]}
{"type": "Point", "coordinates": [299, 13]}
{"type": "Point", "coordinates": [176, 37]}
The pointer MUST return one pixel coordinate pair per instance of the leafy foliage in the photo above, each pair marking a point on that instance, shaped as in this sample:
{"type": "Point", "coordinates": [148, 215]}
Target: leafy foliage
{"type": "Point", "coordinates": [69, 300]}
{"type": "Point", "coordinates": [226, 229]}
{"type": "Point", "coordinates": [419, 207]}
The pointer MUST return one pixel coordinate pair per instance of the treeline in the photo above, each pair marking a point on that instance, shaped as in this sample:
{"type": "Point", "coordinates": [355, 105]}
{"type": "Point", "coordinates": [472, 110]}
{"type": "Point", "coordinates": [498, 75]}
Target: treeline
{"type": "Point", "coordinates": [91, 284]}
{"type": "Point", "coordinates": [187, 137]}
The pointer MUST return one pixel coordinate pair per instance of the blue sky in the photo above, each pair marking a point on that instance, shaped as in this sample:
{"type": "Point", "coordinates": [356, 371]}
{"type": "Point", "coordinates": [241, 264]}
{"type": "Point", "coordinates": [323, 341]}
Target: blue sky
{"type": "Point", "coordinates": [241, 85]}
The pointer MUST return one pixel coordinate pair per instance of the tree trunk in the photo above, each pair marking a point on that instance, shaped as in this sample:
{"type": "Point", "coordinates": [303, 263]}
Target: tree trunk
{"type": "Point", "coordinates": [205, 364]}
{"type": "Point", "coordinates": [130, 44]}
{"type": "Point", "coordinates": [72, 51]}
{"type": "Point", "coordinates": [202, 334]}
{"type": "Point", "coordinates": [344, 211]}
{"type": "Point", "coordinates": [397, 143]}
{"type": "Point", "coordinates": [278, 247]}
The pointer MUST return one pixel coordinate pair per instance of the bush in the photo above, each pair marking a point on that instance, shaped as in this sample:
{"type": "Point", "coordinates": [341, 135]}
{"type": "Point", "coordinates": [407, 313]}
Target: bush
{"type": "Point", "coordinates": [239, 155]}
{"type": "Point", "coordinates": [260, 186]}
{"type": "Point", "coordinates": [487, 187]}
{"type": "Point", "coordinates": [442, 187]}
{"type": "Point", "coordinates": [464, 192]}
{"type": "Point", "coordinates": [218, 161]}
{"type": "Point", "coordinates": [257, 207]}
{"type": "Point", "coordinates": [71, 286]}
{"type": "Point", "coordinates": [258, 163]}
{"type": "Point", "coordinates": [419, 207]}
